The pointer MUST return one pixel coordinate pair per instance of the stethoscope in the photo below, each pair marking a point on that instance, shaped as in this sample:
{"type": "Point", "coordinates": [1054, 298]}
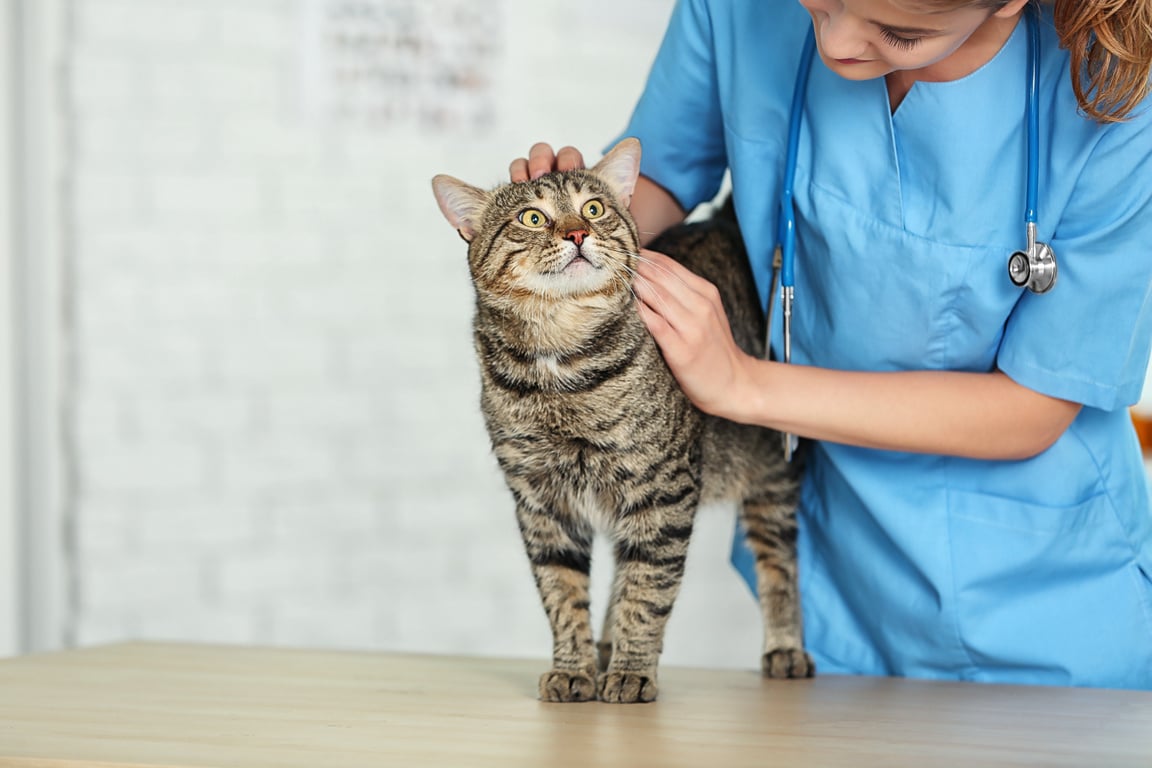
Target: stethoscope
{"type": "Point", "coordinates": [1033, 268]}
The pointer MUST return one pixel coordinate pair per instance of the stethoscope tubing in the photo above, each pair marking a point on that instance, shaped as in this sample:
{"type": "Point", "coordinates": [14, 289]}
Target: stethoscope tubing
{"type": "Point", "coordinates": [786, 230]}
{"type": "Point", "coordinates": [1033, 114]}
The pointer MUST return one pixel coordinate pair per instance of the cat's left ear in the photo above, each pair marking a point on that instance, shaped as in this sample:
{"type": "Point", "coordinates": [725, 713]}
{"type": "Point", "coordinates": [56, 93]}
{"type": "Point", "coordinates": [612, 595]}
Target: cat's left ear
{"type": "Point", "coordinates": [620, 168]}
{"type": "Point", "coordinates": [462, 204]}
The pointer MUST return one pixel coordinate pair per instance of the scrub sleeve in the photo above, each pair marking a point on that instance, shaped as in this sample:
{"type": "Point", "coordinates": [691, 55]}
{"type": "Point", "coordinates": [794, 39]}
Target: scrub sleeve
{"type": "Point", "coordinates": [1034, 571]}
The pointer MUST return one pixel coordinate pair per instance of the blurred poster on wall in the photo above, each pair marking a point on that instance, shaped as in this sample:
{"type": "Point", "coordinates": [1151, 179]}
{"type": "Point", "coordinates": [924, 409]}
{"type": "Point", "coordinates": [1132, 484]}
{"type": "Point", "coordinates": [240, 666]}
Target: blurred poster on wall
{"type": "Point", "coordinates": [406, 64]}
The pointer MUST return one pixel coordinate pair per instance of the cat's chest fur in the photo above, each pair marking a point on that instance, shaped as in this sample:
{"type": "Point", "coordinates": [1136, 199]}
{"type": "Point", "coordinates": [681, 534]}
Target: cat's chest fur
{"type": "Point", "coordinates": [580, 426]}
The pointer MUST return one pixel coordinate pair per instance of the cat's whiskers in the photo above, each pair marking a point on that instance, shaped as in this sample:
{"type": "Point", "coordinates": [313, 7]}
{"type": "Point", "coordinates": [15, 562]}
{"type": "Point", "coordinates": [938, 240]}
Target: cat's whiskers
{"type": "Point", "coordinates": [659, 297]}
{"type": "Point", "coordinates": [639, 256]}
{"type": "Point", "coordinates": [625, 274]}
{"type": "Point", "coordinates": [662, 268]}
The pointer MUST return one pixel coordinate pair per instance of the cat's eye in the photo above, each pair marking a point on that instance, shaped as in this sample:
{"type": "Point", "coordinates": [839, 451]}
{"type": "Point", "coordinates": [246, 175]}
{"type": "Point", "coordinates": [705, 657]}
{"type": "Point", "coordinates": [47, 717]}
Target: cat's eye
{"type": "Point", "coordinates": [533, 218]}
{"type": "Point", "coordinates": [593, 209]}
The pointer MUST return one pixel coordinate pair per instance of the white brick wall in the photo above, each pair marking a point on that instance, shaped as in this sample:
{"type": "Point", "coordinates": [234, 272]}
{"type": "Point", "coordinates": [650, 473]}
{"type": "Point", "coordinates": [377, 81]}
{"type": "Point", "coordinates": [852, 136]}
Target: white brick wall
{"type": "Point", "coordinates": [274, 408]}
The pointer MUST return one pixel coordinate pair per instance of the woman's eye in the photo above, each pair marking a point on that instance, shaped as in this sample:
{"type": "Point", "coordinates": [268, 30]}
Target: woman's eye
{"type": "Point", "coordinates": [593, 209]}
{"type": "Point", "coordinates": [898, 41]}
{"type": "Point", "coordinates": [532, 218]}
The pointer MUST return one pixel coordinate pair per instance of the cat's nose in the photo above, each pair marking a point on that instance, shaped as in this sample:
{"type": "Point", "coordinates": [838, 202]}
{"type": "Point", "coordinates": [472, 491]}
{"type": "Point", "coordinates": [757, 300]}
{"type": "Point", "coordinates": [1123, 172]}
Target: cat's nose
{"type": "Point", "coordinates": [576, 235]}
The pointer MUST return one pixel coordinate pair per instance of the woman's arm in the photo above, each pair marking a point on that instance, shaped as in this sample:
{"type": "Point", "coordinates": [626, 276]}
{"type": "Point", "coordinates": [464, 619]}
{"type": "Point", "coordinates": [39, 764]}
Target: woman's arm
{"type": "Point", "coordinates": [977, 415]}
{"type": "Point", "coordinates": [654, 209]}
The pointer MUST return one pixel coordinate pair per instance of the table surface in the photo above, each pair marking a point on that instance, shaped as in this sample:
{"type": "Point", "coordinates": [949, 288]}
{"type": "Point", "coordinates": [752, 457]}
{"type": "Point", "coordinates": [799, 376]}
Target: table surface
{"type": "Point", "coordinates": [186, 705]}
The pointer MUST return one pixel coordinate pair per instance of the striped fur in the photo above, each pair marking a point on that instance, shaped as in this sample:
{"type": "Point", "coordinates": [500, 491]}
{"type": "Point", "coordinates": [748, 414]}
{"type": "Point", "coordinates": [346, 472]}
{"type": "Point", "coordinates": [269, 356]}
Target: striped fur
{"type": "Point", "coordinates": [593, 433]}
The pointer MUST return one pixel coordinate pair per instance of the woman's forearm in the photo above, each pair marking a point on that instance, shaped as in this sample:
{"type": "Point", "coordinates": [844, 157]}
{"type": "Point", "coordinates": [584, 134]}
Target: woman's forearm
{"type": "Point", "coordinates": [654, 209]}
{"type": "Point", "coordinates": [976, 415]}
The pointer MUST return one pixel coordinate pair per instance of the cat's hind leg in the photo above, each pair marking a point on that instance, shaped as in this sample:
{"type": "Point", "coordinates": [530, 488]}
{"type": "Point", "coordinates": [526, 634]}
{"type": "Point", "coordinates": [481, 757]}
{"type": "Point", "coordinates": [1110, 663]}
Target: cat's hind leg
{"type": "Point", "coordinates": [560, 554]}
{"type": "Point", "coordinates": [770, 531]}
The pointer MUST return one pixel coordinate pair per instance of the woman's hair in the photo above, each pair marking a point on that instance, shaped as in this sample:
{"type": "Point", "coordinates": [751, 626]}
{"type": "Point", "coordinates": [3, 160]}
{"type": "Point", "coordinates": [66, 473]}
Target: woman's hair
{"type": "Point", "coordinates": [1111, 46]}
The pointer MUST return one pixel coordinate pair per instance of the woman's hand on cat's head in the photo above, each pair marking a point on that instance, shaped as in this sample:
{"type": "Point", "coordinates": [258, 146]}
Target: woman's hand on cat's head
{"type": "Point", "coordinates": [542, 159]}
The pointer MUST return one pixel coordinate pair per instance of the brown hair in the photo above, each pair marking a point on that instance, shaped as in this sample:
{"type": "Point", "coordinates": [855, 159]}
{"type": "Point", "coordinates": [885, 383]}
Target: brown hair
{"type": "Point", "coordinates": [1111, 46]}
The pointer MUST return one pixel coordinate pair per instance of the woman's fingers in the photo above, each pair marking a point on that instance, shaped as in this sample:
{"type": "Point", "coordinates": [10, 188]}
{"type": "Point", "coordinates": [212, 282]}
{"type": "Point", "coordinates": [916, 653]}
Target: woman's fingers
{"type": "Point", "coordinates": [569, 159]}
{"type": "Point", "coordinates": [672, 290]}
{"type": "Point", "coordinates": [685, 316]}
{"type": "Point", "coordinates": [542, 160]}
{"type": "Point", "coordinates": [518, 170]}
{"type": "Point", "coordinates": [650, 287]}
{"type": "Point", "coordinates": [657, 325]}
{"type": "Point", "coordinates": [666, 270]}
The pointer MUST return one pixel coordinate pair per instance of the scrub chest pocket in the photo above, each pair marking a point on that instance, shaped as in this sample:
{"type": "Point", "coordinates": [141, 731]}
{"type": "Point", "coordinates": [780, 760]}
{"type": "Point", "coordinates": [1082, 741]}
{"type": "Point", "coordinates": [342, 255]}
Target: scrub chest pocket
{"type": "Point", "coordinates": [891, 300]}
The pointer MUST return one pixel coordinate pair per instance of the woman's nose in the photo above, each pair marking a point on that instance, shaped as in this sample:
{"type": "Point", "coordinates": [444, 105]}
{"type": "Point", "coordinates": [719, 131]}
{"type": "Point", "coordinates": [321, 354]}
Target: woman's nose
{"type": "Point", "coordinates": [841, 38]}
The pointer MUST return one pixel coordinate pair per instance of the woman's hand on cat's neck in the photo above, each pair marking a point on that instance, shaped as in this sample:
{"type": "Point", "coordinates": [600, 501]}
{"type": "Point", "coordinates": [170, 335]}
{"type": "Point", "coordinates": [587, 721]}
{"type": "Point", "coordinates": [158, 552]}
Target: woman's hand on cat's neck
{"type": "Point", "coordinates": [685, 316]}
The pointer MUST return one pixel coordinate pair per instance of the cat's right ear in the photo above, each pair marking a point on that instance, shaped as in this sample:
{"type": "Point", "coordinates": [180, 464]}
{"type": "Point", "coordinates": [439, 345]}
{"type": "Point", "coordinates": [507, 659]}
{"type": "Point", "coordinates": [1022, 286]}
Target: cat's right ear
{"type": "Point", "coordinates": [620, 167]}
{"type": "Point", "coordinates": [462, 204]}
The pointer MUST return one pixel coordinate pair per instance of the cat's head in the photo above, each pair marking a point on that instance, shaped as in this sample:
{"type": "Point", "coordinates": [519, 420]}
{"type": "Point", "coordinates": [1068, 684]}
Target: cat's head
{"type": "Point", "coordinates": [562, 236]}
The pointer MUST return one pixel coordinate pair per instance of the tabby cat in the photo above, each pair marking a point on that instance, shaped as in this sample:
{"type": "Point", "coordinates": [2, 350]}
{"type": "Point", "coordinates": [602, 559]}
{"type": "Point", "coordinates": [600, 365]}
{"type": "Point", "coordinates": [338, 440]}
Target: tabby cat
{"type": "Point", "coordinates": [592, 431]}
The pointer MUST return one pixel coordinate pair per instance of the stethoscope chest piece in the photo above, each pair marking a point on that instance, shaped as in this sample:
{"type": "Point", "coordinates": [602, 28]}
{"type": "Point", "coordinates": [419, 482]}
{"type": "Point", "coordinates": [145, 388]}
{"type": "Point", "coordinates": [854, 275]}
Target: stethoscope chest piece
{"type": "Point", "coordinates": [1035, 267]}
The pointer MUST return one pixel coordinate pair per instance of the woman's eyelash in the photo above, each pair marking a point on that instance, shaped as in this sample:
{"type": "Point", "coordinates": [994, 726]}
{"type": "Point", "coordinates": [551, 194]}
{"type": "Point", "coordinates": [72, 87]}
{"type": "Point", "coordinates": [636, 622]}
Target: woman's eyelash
{"type": "Point", "coordinates": [897, 41]}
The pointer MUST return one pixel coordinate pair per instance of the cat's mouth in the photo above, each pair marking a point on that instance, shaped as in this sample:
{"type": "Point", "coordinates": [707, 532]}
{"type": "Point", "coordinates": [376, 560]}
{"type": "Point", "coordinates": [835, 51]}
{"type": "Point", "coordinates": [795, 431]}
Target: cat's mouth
{"type": "Point", "coordinates": [577, 272]}
{"type": "Point", "coordinates": [579, 261]}
{"type": "Point", "coordinates": [577, 264]}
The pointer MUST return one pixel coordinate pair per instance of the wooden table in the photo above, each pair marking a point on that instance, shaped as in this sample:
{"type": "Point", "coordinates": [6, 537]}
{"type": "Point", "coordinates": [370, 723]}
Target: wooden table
{"type": "Point", "coordinates": [181, 705]}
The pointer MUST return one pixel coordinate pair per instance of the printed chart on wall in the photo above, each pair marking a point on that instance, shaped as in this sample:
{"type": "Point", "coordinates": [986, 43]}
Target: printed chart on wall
{"type": "Point", "coordinates": [410, 64]}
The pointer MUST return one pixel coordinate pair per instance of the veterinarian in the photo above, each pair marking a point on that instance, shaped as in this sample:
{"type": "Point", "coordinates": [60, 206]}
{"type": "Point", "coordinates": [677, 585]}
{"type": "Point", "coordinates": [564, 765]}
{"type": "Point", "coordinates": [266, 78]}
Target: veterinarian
{"type": "Point", "coordinates": [975, 503]}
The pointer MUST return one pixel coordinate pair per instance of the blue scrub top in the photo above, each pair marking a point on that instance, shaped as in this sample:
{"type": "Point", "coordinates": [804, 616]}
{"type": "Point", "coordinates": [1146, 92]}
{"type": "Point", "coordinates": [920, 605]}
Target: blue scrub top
{"type": "Point", "coordinates": [1034, 571]}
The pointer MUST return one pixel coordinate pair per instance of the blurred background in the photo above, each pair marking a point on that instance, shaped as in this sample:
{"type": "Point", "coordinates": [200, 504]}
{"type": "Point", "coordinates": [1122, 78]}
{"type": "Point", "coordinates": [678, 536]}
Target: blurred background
{"type": "Point", "coordinates": [238, 398]}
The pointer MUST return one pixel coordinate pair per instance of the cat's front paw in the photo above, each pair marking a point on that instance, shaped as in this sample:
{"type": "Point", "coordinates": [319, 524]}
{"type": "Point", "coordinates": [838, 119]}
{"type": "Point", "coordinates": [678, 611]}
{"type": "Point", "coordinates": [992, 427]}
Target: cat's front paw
{"type": "Point", "coordinates": [626, 688]}
{"type": "Point", "coordinates": [785, 663]}
{"type": "Point", "coordinates": [566, 685]}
